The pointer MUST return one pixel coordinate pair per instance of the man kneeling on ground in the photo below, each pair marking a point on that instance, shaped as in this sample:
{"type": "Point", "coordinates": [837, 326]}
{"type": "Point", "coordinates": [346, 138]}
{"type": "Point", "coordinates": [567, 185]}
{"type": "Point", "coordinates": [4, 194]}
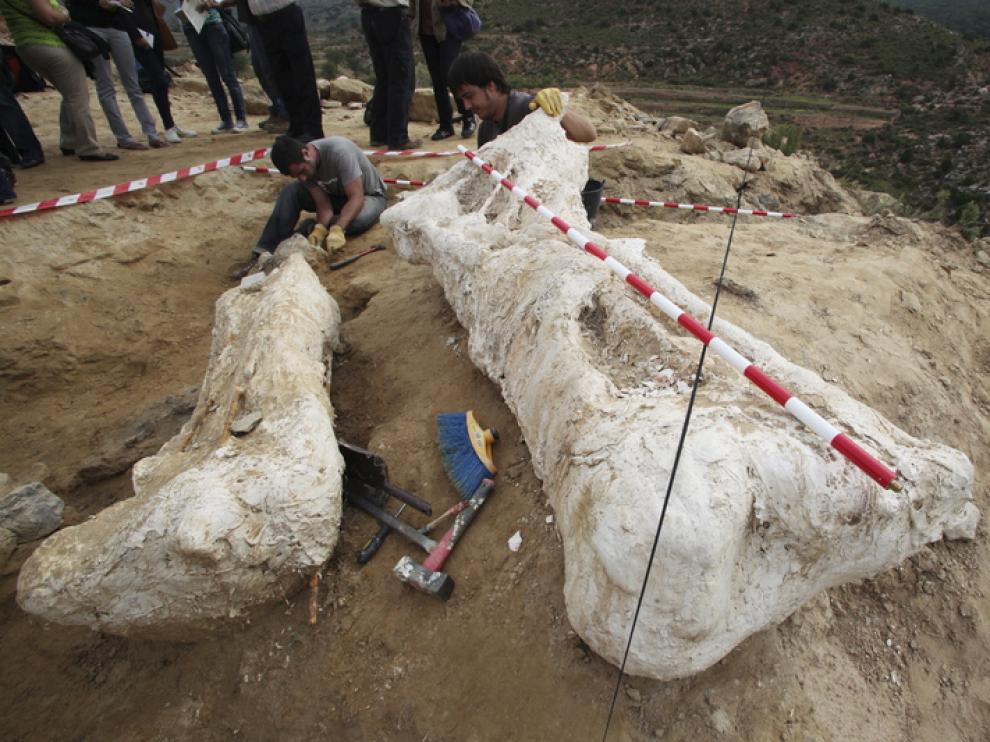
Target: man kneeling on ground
{"type": "Point", "coordinates": [334, 179]}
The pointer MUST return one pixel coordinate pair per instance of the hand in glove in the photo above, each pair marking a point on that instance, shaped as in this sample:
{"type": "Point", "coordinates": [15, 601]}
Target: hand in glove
{"type": "Point", "coordinates": [550, 100]}
{"type": "Point", "coordinates": [317, 236]}
{"type": "Point", "coordinates": [335, 239]}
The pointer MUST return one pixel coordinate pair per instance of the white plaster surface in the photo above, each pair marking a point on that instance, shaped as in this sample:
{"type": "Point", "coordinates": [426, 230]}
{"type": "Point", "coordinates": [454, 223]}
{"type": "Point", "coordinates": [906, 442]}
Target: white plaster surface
{"type": "Point", "coordinates": [763, 515]}
{"type": "Point", "coordinates": [217, 523]}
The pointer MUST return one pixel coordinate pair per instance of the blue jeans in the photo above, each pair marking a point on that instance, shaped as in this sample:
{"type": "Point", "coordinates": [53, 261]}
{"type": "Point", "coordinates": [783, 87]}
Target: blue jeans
{"type": "Point", "coordinates": [295, 198]}
{"type": "Point", "coordinates": [212, 51]}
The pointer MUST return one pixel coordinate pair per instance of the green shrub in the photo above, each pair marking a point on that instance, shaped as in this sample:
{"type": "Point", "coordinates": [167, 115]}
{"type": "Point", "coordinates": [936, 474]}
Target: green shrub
{"type": "Point", "coordinates": [786, 138]}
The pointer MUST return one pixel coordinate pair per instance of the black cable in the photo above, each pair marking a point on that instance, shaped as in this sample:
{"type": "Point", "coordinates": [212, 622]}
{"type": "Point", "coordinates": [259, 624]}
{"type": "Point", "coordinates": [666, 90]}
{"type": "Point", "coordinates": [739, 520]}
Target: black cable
{"type": "Point", "coordinates": [680, 448]}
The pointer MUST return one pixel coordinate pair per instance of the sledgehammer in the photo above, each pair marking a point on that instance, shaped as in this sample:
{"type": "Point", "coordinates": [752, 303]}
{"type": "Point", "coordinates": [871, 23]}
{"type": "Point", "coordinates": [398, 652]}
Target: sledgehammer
{"type": "Point", "coordinates": [427, 577]}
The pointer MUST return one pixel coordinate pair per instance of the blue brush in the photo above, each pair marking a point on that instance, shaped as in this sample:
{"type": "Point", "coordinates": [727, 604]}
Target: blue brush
{"type": "Point", "coordinates": [465, 450]}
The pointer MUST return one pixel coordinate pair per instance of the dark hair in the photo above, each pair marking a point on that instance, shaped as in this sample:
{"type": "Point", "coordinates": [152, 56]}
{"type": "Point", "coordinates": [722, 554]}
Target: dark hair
{"type": "Point", "coordinates": [476, 68]}
{"type": "Point", "coordinates": [286, 151]}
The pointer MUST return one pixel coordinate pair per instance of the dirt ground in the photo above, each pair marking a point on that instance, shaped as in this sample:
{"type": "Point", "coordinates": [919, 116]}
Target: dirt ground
{"type": "Point", "coordinates": [107, 310]}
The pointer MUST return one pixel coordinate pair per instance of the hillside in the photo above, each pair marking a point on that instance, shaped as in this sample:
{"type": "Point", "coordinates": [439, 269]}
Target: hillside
{"type": "Point", "coordinates": [932, 153]}
{"type": "Point", "coordinates": [965, 16]}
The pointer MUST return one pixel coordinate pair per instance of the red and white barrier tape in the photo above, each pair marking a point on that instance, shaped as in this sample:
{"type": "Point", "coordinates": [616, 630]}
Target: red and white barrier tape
{"type": "Point", "coordinates": [451, 153]}
{"type": "Point", "coordinates": [838, 440]}
{"type": "Point", "coordinates": [390, 181]}
{"type": "Point", "coordinates": [606, 199]}
{"type": "Point", "coordinates": [134, 185]}
{"type": "Point", "coordinates": [699, 207]}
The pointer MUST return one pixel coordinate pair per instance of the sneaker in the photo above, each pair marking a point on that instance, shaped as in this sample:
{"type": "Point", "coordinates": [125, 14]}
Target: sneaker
{"type": "Point", "coordinates": [131, 144]}
{"type": "Point", "coordinates": [442, 133]}
{"type": "Point", "coordinates": [241, 125]}
{"type": "Point", "coordinates": [172, 136]}
{"type": "Point", "coordinates": [185, 133]}
{"type": "Point", "coordinates": [224, 128]}
{"type": "Point", "coordinates": [157, 142]}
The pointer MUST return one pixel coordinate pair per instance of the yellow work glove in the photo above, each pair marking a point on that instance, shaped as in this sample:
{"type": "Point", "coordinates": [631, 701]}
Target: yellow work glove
{"type": "Point", "coordinates": [335, 239]}
{"type": "Point", "coordinates": [550, 100]}
{"type": "Point", "coordinates": [317, 236]}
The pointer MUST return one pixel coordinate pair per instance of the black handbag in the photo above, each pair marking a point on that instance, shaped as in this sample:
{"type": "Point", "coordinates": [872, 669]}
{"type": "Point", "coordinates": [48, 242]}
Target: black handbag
{"type": "Point", "coordinates": [82, 42]}
{"type": "Point", "coordinates": [238, 35]}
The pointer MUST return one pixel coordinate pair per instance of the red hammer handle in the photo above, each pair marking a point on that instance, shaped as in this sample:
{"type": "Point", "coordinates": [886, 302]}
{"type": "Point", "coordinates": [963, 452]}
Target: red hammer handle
{"type": "Point", "coordinates": [436, 559]}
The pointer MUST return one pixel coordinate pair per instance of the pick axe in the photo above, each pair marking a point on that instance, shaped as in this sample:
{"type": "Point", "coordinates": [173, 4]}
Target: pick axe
{"type": "Point", "coordinates": [428, 577]}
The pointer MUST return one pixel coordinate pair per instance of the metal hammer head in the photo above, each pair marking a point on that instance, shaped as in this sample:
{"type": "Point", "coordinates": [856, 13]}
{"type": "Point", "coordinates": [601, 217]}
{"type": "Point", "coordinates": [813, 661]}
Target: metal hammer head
{"type": "Point", "coordinates": [438, 584]}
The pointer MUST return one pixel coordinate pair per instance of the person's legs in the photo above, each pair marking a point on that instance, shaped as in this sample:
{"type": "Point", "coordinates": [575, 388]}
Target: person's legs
{"type": "Point", "coordinates": [204, 58]}
{"type": "Point", "coordinates": [25, 145]}
{"type": "Point", "coordinates": [61, 68]}
{"type": "Point", "coordinates": [106, 93]}
{"type": "Point", "coordinates": [263, 71]}
{"type": "Point", "coordinates": [368, 217]}
{"type": "Point", "coordinates": [218, 40]}
{"type": "Point", "coordinates": [159, 84]}
{"type": "Point", "coordinates": [284, 33]}
{"type": "Point", "coordinates": [449, 50]}
{"type": "Point", "coordinates": [292, 201]}
{"type": "Point", "coordinates": [379, 107]}
{"type": "Point", "coordinates": [399, 60]}
{"type": "Point", "coordinates": [122, 52]}
{"type": "Point", "coordinates": [436, 64]}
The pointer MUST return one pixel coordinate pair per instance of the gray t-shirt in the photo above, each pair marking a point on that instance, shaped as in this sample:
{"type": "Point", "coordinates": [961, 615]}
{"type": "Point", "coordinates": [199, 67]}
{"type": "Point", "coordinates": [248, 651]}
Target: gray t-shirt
{"type": "Point", "coordinates": [515, 111]}
{"type": "Point", "coordinates": [340, 163]}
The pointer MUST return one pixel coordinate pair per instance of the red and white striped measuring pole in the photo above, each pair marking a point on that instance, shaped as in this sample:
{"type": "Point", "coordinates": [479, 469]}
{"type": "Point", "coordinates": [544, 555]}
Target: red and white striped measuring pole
{"type": "Point", "coordinates": [824, 429]}
{"type": "Point", "coordinates": [134, 185]}
{"type": "Point", "coordinates": [699, 207]}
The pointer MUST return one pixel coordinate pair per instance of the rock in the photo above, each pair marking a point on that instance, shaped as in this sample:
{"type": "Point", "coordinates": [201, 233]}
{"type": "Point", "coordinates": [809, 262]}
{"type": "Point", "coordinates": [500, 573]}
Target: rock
{"type": "Point", "coordinates": [246, 423]}
{"type": "Point", "coordinates": [693, 143]}
{"type": "Point", "coordinates": [982, 258]}
{"type": "Point", "coordinates": [677, 125]}
{"type": "Point", "coordinates": [745, 122]}
{"type": "Point", "coordinates": [424, 106]}
{"type": "Point", "coordinates": [764, 514]}
{"type": "Point", "coordinates": [323, 87]}
{"type": "Point", "coordinates": [749, 159]}
{"type": "Point", "coordinates": [355, 106]}
{"type": "Point", "coordinates": [256, 106]}
{"type": "Point", "coordinates": [347, 90]}
{"type": "Point", "coordinates": [217, 524]}
{"type": "Point", "coordinates": [8, 542]}
{"type": "Point", "coordinates": [31, 512]}
{"type": "Point", "coordinates": [911, 302]}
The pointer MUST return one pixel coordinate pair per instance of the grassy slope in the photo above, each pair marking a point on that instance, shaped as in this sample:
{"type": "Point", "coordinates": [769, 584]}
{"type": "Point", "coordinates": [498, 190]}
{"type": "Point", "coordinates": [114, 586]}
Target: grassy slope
{"type": "Point", "coordinates": [935, 151]}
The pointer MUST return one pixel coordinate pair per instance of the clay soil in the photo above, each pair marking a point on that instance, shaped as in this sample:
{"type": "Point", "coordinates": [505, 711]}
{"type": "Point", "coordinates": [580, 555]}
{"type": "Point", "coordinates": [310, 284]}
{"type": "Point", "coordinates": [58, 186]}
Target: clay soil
{"type": "Point", "coordinates": [107, 311]}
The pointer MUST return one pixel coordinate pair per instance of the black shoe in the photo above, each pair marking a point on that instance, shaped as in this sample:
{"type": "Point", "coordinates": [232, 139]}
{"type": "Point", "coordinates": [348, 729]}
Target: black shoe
{"type": "Point", "coordinates": [31, 162]}
{"type": "Point", "coordinates": [408, 144]}
{"type": "Point", "coordinates": [99, 157]}
{"type": "Point", "coordinates": [469, 128]}
{"type": "Point", "coordinates": [442, 133]}
{"type": "Point", "coordinates": [67, 152]}
{"type": "Point", "coordinates": [239, 270]}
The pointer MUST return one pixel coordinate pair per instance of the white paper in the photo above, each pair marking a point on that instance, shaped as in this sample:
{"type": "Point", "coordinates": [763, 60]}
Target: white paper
{"type": "Point", "coordinates": [149, 37]}
{"type": "Point", "coordinates": [189, 12]}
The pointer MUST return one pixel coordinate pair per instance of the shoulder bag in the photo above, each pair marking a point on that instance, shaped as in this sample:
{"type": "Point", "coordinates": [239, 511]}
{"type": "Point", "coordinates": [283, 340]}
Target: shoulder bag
{"type": "Point", "coordinates": [238, 34]}
{"type": "Point", "coordinates": [462, 22]}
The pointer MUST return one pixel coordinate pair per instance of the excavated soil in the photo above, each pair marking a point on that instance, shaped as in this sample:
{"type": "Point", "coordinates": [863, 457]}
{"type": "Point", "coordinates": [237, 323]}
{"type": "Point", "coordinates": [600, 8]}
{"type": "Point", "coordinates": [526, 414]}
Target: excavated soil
{"type": "Point", "coordinates": [106, 315]}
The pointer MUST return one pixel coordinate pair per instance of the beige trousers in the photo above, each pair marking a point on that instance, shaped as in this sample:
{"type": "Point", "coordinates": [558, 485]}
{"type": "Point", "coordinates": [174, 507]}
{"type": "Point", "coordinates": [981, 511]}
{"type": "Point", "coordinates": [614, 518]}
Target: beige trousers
{"type": "Point", "coordinates": [63, 70]}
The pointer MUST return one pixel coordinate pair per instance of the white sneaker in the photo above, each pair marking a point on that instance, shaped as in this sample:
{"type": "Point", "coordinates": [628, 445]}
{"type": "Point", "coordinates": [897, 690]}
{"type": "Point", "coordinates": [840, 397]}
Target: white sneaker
{"type": "Point", "coordinates": [172, 136]}
{"type": "Point", "coordinates": [241, 125]}
{"type": "Point", "coordinates": [185, 133]}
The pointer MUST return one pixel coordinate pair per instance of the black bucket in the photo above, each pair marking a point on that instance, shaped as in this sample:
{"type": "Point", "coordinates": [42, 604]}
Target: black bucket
{"type": "Point", "coordinates": [591, 196]}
